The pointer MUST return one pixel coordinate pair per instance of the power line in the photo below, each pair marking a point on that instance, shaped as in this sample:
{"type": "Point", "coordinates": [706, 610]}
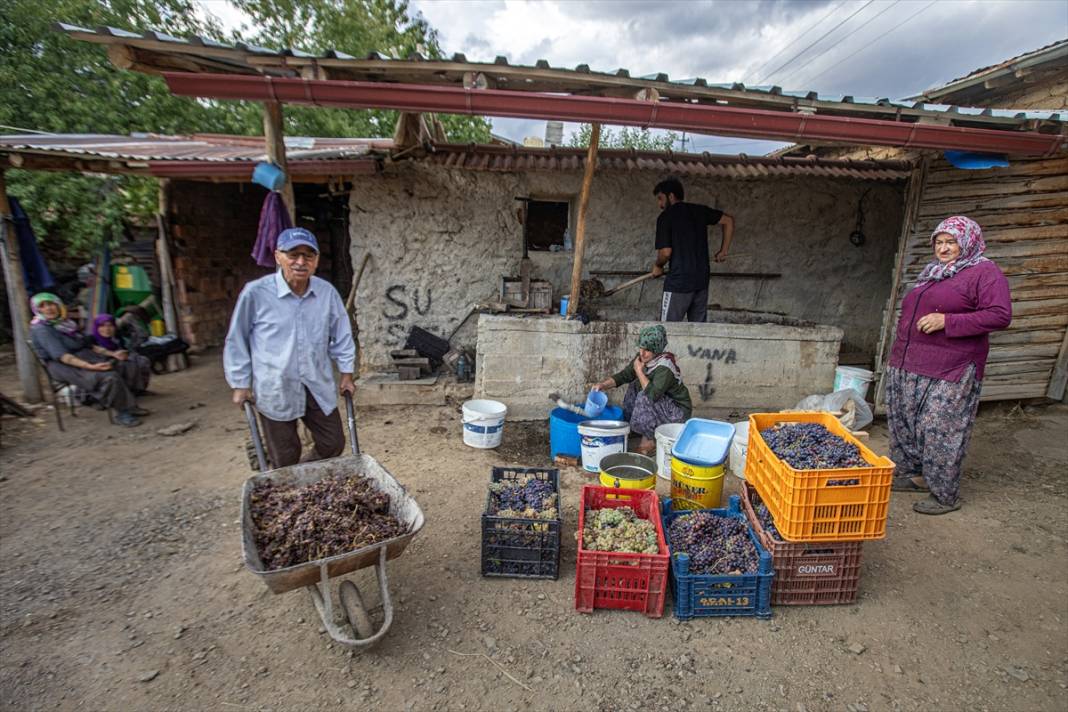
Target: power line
{"type": "Point", "coordinates": [32, 131]}
{"type": "Point", "coordinates": [869, 44]}
{"type": "Point", "coordinates": [756, 72]}
{"type": "Point", "coordinates": [824, 35]}
{"type": "Point", "coordinates": [816, 56]}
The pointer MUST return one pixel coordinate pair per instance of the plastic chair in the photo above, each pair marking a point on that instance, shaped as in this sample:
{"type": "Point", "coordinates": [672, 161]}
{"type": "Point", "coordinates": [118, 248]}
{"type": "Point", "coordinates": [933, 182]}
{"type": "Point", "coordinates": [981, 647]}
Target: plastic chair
{"type": "Point", "coordinates": [56, 386]}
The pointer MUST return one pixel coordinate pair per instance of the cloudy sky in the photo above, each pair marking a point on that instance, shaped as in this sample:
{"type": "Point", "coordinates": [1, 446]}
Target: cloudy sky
{"type": "Point", "coordinates": [881, 48]}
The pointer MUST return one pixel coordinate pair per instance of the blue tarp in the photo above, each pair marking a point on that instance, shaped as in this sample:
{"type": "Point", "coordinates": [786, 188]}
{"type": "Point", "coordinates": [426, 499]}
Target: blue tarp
{"type": "Point", "coordinates": [34, 270]}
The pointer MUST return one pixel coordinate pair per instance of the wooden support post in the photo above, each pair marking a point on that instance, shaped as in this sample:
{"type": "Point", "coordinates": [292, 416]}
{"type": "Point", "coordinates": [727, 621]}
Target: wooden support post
{"type": "Point", "coordinates": [274, 133]}
{"type": "Point", "coordinates": [1059, 378]}
{"type": "Point", "coordinates": [913, 199]}
{"type": "Point", "coordinates": [175, 362]}
{"type": "Point", "coordinates": [580, 222]}
{"type": "Point", "coordinates": [17, 302]}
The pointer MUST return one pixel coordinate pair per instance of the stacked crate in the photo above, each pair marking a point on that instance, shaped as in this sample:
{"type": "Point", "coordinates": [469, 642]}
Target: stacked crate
{"type": "Point", "coordinates": [822, 516]}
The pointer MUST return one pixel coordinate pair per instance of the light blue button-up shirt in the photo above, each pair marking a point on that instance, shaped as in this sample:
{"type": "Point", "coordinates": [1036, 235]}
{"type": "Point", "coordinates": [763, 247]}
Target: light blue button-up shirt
{"type": "Point", "coordinates": [279, 343]}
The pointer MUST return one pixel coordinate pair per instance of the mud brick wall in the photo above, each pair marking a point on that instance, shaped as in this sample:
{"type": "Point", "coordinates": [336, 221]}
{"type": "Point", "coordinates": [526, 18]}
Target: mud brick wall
{"type": "Point", "coordinates": [213, 226]}
{"type": "Point", "coordinates": [440, 238]}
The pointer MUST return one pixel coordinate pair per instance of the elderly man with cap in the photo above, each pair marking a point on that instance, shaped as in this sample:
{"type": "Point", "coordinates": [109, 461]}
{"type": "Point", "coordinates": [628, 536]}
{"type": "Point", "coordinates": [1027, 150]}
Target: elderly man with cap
{"type": "Point", "coordinates": [285, 331]}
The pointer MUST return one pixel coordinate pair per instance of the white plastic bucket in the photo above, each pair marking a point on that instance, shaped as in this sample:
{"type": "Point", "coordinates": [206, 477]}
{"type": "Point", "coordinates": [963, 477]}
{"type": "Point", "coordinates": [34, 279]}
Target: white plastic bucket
{"type": "Point", "coordinates": [852, 377]}
{"type": "Point", "coordinates": [600, 438]}
{"type": "Point", "coordinates": [739, 449]}
{"type": "Point", "coordinates": [666, 435]}
{"type": "Point", "coordinates": [483, 422]}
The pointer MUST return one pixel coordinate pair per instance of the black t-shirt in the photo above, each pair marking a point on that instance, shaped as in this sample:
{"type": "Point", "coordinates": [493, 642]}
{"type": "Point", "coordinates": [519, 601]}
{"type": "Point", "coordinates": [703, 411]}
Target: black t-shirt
{"type": "Point", "coordinates": [684, 228]}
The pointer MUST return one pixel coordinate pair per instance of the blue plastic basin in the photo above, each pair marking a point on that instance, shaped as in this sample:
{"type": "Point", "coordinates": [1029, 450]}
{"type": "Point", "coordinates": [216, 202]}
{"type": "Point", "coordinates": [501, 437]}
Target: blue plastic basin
{"type": "Point", "coordinates": [704, 443]}
{"type": "Point", "coordinates": [564, 437]}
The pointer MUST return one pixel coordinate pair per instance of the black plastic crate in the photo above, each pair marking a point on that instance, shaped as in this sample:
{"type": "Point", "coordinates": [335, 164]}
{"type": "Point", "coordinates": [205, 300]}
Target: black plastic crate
{"type": "Point", "coordinates": [517, 547]}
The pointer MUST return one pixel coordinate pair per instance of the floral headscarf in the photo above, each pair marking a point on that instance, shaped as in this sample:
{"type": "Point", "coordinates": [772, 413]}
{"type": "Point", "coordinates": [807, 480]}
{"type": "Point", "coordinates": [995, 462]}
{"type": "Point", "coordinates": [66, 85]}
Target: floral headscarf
{"type": "Point", "coordinates": [654, 338]}
{"type": "Point", "coordinates": [970, 238]}
{"type": "Point", "coordinates": [100, 339]}
{"type": "Point", "coordinates": [61, 324]}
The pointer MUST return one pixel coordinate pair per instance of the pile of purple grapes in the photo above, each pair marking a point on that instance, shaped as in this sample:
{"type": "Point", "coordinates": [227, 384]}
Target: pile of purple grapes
{"type": "Point", "coordinates": [811, 446]}
{"type": "Point", "coordinates": [764, 515]}
{"type": "Point", "coordinates": [716, 545]}
{"type": "Point", "coordinates": [526, 496]}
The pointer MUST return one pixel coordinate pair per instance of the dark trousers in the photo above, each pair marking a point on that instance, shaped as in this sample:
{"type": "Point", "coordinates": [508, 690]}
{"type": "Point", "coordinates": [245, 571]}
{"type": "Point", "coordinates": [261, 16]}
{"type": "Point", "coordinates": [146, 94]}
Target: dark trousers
{"type": "Point", "coordinates": [283, 440]}
{"type": "Point", "coordinates": [684, 306]}
{"type": "Point", "coordinates": [109, 388]}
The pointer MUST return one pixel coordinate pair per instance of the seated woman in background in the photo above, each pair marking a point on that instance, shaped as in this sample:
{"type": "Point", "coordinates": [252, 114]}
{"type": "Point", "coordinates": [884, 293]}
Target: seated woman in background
{"type": "Point", "coordinates": [105, 337]}
{"type": "Point", "coordinates": [656, 395]}
{"type": "Point", "coordinates": [69, 356]}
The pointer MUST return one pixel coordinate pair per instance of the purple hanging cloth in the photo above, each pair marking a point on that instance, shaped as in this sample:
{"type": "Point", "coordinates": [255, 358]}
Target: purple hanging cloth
{"type": "Point", "coordinates": [274, 218]}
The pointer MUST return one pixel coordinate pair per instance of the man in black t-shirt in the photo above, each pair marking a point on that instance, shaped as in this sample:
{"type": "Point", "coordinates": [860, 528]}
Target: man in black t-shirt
{"type": "Point", "coordinates": [682, 239]}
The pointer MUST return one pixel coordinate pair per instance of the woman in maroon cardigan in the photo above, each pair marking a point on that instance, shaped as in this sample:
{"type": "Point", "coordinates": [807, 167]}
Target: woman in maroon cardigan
{"type": "Point", "coordinates": [937, 362]}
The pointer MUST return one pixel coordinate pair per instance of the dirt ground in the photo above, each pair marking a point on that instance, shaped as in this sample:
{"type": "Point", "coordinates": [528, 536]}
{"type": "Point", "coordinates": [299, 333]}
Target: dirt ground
{"type": "Point", "coordinates": [122, 586]}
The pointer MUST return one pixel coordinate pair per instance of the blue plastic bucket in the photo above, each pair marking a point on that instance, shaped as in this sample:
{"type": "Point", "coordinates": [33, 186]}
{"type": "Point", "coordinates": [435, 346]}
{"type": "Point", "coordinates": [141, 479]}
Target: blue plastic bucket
{"type": "Point", "coordinates": [269, 176]}
{"type": "Point", "coordinates": [564, 438]}
{"type": "Point", "coordinates": [595, 403]}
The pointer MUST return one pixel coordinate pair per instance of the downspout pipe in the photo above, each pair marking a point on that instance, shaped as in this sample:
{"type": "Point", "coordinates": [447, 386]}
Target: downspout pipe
{"type": "Point", "coordinates": [676, 116]}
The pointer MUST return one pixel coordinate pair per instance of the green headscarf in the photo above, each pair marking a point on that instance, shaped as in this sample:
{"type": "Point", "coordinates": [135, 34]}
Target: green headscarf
{"type": "Point", "coordinates": [653, 338]}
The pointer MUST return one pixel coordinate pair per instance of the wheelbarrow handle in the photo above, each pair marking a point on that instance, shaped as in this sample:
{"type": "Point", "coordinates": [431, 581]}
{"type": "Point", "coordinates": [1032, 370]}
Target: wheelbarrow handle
{"type": "Point", "coordinates": [254, 429]}
{"type": "Point", "coordinates": [351, 412]}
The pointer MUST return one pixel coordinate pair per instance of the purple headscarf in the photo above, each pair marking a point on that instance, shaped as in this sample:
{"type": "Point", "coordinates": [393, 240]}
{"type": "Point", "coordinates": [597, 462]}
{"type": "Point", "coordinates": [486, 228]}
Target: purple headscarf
{"type": "Point", "coordinates": [969, 236]}
{"type": "Point", "coordinates": [109, 344]}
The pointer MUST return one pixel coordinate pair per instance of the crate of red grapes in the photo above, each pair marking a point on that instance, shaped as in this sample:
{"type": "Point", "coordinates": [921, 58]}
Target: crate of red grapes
{"type": "Point", "coordinates": [718, 565]}
{"type": "Point", "coordinates": [812, 574]}
{"type": "Point", "coordinates": [622, 556]}
{"type": "Point", "coordinates": [818, 481]}
{"type": "Point", "coordinates": [521, 524]}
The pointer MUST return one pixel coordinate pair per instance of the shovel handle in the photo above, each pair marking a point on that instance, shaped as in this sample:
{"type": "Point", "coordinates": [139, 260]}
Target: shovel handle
{"type": "Point", "coordinates": [628, 283]}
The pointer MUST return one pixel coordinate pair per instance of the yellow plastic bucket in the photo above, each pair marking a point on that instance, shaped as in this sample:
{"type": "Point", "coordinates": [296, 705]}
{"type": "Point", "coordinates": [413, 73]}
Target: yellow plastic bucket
{"type": "Point", "coordinates": [628, 470]}
{"type": "Point", "coordinates": [156, 327]}
{"type": "Point", "coordinates": [694, 486]}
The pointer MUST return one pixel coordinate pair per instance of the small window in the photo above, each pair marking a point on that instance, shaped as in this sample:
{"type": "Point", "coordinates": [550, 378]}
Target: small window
{"type": "Point", "coordinates": [546, 223]}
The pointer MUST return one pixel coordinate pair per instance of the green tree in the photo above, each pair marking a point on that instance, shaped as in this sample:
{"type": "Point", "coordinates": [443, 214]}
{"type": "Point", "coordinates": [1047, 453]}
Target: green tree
{"type": "Point", "coordinates": [636, 138]}
{"type": "Point", "coordinates": [356, 27]}
{"type": "Point", "coordinates": [51, 83]}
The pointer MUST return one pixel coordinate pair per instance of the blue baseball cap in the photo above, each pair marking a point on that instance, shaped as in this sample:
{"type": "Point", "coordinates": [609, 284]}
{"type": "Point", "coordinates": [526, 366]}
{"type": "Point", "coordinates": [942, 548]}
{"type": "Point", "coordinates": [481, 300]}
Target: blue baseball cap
{"type": "Point", "coordinates": [294, 237]}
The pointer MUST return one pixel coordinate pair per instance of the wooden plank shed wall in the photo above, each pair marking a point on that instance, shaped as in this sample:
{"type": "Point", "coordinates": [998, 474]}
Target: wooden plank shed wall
{"type": "Point", "coordinates": [1023, 210]}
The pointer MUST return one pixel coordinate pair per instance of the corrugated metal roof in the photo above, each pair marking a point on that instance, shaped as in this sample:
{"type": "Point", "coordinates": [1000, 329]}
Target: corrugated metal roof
{"type": "Point", "coordinates": [194, 156]}
{"type": "Point", "coordinates": [1055, 52]}
{"type": "Point", "coordinates": [494, 158]}
{"type": "Point", "coordinates": [198, 147]}
{"type": "Point", "coordinates": [155, 50]}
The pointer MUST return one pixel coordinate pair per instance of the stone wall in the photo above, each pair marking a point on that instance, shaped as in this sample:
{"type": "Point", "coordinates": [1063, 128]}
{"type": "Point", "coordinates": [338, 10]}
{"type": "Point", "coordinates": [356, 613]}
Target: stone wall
{"type": "Point", "coordinates": [213, 226]}
{"type": "Point", "coordinates": [737, 366]}
{"type": "Point", "coordinates": [440, 239]}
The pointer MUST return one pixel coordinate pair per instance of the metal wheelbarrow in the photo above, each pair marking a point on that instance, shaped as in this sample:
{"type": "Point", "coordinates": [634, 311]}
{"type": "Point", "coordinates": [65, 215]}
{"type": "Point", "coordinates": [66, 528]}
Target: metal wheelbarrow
{"type": "Point", "coordinates": [316, 575]}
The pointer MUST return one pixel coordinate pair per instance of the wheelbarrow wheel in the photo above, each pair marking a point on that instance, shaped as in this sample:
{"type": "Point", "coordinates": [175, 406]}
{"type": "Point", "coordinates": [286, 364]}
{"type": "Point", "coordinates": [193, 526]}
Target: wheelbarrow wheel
{"type": "Point", "coordinates": [352, 602]}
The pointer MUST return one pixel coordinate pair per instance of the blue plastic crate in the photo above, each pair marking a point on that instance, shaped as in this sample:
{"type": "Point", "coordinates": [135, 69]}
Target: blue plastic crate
{"type": "Point", "coordinates": [707, 595]}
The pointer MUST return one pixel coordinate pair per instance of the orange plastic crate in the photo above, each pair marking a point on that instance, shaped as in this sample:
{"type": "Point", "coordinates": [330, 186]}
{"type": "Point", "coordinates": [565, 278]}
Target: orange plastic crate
{"type": "Point", "coordinates": [847, 504]}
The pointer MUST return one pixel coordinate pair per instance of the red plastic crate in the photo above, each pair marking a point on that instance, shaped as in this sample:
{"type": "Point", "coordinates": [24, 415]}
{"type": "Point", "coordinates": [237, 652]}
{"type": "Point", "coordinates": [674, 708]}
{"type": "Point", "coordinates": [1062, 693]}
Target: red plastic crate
{"type": "Point", "coordinates": [812, 574]}
{"type": "Point", "coordinates": [629, 582]}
